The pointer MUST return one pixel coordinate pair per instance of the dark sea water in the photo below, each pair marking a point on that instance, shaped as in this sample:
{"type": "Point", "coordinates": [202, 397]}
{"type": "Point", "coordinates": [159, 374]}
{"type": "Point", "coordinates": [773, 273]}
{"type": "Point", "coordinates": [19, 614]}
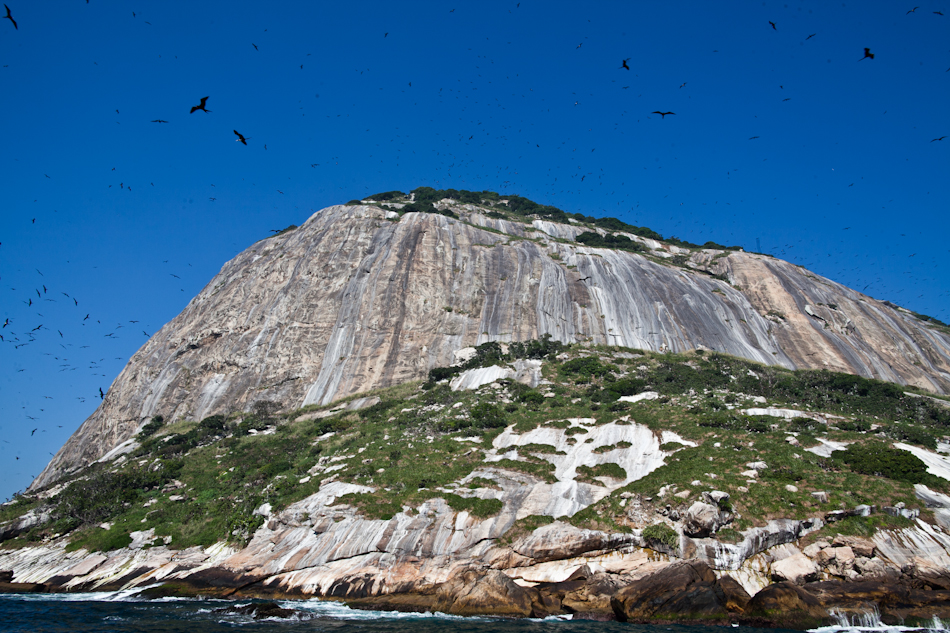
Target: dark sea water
{"type": "Point", "coordinates": [120, 612]}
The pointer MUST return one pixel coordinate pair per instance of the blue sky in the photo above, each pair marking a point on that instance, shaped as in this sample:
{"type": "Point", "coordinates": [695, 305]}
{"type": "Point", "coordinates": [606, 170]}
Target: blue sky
{"type": "Point", "coordinates": [794, 143]}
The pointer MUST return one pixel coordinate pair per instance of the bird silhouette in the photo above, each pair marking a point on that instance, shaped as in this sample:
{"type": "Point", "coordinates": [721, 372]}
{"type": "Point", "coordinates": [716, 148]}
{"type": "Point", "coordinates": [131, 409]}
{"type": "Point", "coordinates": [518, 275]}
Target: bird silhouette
{"type": "Point", "coordinates": [936, 139]}
{"type": "Point", "coordinates": [255, 46]}
{"type": "Point", "coordinates": [912, 10]}
{"type": "Point", "coordinates": [10, 17]}
{"type": "Point", "coordinates": [773, 25]}
{"type": "Point", "coordinates": [662, 114]}
{"type": "Point", "coordinates": [753, 137]}
{"type": "Point", "coordinates": [240, 137]}
{"type": "Point", "coordinates": [867, 53]}
{"type": "Point", "coordinates": [159, 121]}
{"type": "Point", "coordinates": [810, 36]}
{"type": "Point", "coordinates": [102, 396]}
{"type": "Point", "coordinates": [623, 64]}
{"type": "Point", "coordinates": [201, 106]}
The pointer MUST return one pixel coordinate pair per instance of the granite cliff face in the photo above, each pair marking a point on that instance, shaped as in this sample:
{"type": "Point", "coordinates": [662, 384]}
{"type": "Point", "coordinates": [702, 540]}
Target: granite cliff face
{"type": "Point", "coordinates": [360, 297]}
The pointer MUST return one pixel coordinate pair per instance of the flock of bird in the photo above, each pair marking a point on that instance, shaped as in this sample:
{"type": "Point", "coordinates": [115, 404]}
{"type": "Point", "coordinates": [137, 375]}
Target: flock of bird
{"type": "Point", "coordinates": [20, 334]}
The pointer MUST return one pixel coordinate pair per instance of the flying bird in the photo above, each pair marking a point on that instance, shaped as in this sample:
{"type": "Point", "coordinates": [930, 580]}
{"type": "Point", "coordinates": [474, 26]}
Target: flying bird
{"type": "Point", "coordinates": [912, 10]}
{"type": "Point", "coordinates": [201, 106]}
{"type": "Point", "coordinates": [810, 36]}
{"type": "Point", "coordinates": [753, 137]}
{"type": "Point", "coordinates": [102, 396]}
{"type": "Point", "coordinates": [159, 121]}
{"type": "Point", "coordinates": [255, 46]}
{"type": "Point", "coordinates": [936, 139]}
{"type": "Point", "coordinates": [10, 17]}
{"type": "Point", "coordinates": [240, 137]}
{"type": "Point", "coordinates": [623, 64]}
{"type": "Point", "coordinates": [773, 25]}
{"type": "Point", "coordinates": [662, 114]}
{"type": "Point", "coordinates": [867, 53]}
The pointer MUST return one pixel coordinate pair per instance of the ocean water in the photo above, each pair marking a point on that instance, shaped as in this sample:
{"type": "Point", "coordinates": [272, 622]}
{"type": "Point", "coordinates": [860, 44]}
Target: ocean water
{"type": "Point", "coordinates": [123, 611]}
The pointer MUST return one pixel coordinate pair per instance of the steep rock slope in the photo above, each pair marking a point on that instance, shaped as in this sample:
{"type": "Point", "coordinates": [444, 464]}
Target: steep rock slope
{"type": "Point", "coordinates": [360, 297]}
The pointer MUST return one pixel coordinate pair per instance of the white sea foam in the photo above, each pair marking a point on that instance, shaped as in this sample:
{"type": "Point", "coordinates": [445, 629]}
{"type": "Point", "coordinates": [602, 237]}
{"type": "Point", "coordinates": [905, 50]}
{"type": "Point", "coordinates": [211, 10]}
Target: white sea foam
{"type": "Point", "coordinates": [870, 622]}
{"type": "Point", "coordinates": [338, 610]}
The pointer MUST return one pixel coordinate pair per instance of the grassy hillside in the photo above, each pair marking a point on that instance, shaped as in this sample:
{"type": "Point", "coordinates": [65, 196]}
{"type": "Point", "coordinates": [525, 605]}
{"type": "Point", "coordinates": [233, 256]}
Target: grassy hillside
{"type": "Point", "coordinates": [198, 482]}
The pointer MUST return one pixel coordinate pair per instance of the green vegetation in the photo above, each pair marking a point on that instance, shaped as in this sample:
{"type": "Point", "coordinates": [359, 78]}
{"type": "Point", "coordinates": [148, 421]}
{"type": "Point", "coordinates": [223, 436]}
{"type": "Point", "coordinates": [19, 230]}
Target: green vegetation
{"type": "Point", "coordinates": [880, 460]}
{"type": "Point", "coordinates": [661, 533]}
{"type": "Point", "coordinates": [199, 482]}
{"type": "Point", "coordinates": [519, 208]}
{"type": "Point", "coordinates": [481, 508]}
{"type": "Point", "coordinates": [609, 469]}
{"type": "Point", "coordinates": [488, 354]}
{"type": "Point", "coordinates": [586, 367]}
{"type": "Point", "coordinates": [616, 242]}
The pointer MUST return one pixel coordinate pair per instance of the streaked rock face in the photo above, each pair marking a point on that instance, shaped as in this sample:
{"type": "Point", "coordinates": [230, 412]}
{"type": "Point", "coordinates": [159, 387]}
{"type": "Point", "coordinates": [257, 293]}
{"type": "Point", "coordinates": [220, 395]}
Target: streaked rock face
{"type": "Point", "coordinates": [359, 298]}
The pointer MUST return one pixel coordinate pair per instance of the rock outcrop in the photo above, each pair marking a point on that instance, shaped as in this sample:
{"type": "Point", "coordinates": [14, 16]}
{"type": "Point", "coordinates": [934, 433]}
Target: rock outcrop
{"type": "Point", "coordinates": [359, 297]}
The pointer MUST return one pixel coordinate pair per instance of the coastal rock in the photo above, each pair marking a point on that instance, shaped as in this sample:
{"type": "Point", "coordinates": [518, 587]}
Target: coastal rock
{"type": "Point", "coordinates": [797, 569]}
{"type": "Point", "coordinates": [266, 611]}
{"type": "Point", "coordinates": [889, 598]}
{"type": "Point", "coordinates": [796, 607]}
{"type": "Point", "coordinates": [473, 592]}
{"type": "Point", "coordinates": [682, 590]}
{"type": "Point", "coordinates": [562, 540]}
{"type": "Point", "coordinates": [737, 598]}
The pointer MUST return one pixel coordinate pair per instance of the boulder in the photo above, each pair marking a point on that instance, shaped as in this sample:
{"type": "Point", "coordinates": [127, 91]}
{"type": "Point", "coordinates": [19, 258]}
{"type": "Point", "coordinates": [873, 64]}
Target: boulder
{"type": "Point", "coordinates": [680, 591]}
{"type": "Point", "coordinates": [473, 592]}
{"type": "Point", "coordinates": [873, 568]}
{"type": "Point", "coordinates": [820, 496]}
{"type": "Point", "coordinates": [737, 598]}
{"type": "Point", "coordinates": [787, 603]}
{"type": "Point", "coordinates": [716, 497]}
{"type": "Point", "coordinates": [266, 610]}
{"type": "Point", "coordinates": [558, 540]}
{"type": "Point", "coordinates": [860, 546]}
{"type": "Point", "coordinates": [812, 550]}
{"type": "Point", "coordinates": [824, 557]}
{"type": "Point", "coordinates": [797, 569]}
{"type": "Point", "coordinates": [701, 520]}
{"type": "Point", "coordinates": [593, 596]}
{"type": "Point", "coordinates": [844, 555]}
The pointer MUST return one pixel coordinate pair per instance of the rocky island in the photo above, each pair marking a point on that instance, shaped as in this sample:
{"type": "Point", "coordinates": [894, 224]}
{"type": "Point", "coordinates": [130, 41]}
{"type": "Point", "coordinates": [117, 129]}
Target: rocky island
{"type": "Point", "coordinates": [453, 401]}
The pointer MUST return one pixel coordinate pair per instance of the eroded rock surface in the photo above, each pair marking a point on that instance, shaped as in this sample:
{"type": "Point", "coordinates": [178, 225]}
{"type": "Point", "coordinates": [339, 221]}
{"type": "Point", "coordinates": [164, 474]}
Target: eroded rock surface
{"type": "Point", "coordinates": [358, 298]}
